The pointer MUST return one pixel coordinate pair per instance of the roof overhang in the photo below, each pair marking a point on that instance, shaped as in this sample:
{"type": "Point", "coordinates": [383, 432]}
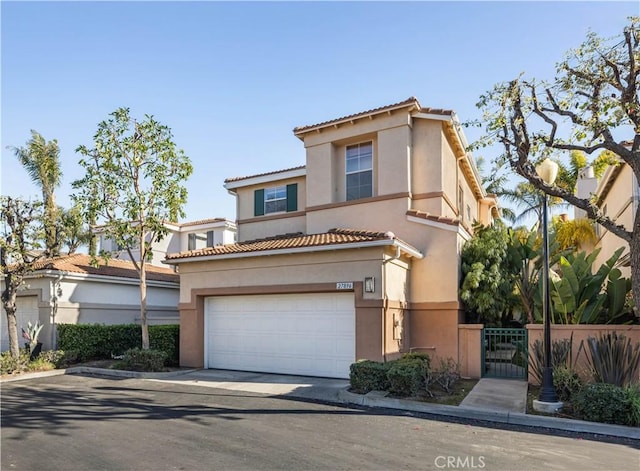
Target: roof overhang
{"type": "Point", "coordinates": [267, 178]}
{"type": "Point", "coordinates": [398, 244]}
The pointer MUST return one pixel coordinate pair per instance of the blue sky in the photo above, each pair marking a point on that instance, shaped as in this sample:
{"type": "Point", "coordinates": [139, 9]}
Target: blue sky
{"type": "Point", "coordinates": [233, 79]}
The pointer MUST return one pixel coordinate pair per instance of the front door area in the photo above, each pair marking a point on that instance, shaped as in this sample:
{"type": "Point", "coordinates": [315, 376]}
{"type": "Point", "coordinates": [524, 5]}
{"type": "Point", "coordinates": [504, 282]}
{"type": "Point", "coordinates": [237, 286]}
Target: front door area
{"type": "Point", "coordinates": [505, 353]}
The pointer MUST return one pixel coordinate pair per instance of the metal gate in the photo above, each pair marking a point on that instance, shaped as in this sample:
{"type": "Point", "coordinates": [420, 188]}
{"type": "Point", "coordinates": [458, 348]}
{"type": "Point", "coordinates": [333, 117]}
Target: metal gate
{"type": "Point", "coordinates": [505, 353]}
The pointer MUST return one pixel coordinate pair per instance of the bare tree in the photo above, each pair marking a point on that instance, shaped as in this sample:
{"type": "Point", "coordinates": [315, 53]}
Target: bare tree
{"type": "Point", "coordinates": [591, 106]}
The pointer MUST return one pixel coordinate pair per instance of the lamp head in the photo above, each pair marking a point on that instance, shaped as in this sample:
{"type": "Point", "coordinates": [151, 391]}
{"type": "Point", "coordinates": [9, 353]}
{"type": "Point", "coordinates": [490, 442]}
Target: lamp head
{"type": "Point", "coordinates": [547, 170]}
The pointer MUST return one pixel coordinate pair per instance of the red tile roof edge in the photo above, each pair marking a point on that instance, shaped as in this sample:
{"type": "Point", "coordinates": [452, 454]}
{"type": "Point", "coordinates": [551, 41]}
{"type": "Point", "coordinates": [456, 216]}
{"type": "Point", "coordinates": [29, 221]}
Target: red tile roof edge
{"type": "Point", "coordinates": [275, 172]}
{"type": "Point", "coordinates": [297, 240]}
{"type": "Point", "coordinates": [432, 217]}
{"type": "Point", "coordinates": [409, 101]}
{"type": "Point", "coordinates": [81, 264]}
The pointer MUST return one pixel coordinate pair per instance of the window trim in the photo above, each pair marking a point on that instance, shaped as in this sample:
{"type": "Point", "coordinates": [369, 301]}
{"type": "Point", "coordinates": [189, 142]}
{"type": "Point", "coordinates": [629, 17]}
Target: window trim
{"type": "Point", "coordinates": [347, 173]}
{"type": "Point", "coordinates": [275, 189]}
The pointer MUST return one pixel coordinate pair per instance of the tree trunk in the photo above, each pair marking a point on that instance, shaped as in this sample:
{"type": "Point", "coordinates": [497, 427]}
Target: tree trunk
{"type": "Point", "coordinates": [143, 306]}
{"type": "Point", "coordinates": [12, 325]}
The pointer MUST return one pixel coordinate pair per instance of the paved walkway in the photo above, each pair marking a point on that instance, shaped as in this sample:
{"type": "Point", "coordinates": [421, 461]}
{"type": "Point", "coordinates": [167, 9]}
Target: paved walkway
{"type": "Point", "coordinates": [502, 395]}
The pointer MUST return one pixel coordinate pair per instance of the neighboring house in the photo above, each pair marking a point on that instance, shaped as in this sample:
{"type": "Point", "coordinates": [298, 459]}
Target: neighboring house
{"type": "Point", "coordinates": [69, 290]}
{"type": "Point", "coordinates": [110, 293]}
{"type": "Point", "coordinates": [617, 194]}
{"type": "Point", "coordinates": [185, 236]}
{"type": "Point", "coordinates": [354, 255]}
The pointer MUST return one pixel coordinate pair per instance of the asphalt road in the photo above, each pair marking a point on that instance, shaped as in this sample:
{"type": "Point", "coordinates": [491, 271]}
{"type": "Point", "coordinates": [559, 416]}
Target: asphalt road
{"type": "Point", "coordinates": [86, 423]}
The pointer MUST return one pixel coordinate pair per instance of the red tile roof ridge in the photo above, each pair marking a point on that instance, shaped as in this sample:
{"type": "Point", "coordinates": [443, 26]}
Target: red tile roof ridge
{"type": "Point", "coordinates": [81, 263]}
{"type": "Point", "coordinates": [289, 241]}
{"type": "Point", "coordinates": [408, 101]}
{"type": "Point", "coordinates": [201, 221]}
{"type": "Point", "coordinates": [433, 217]}
{"type": "Point", "coordinates": [275, 172]}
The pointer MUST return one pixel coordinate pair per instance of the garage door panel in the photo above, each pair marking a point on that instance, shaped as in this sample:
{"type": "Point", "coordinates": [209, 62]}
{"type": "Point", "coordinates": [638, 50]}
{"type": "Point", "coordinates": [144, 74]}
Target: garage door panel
{"type": "Point", "coordinates": [306, 334]}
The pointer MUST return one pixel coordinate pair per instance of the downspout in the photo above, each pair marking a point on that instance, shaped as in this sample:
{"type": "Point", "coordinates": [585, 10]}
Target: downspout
{"type": "Point", "coordinates": [385, 302]}
{"type": "Point", "coordinates": [56, 291]}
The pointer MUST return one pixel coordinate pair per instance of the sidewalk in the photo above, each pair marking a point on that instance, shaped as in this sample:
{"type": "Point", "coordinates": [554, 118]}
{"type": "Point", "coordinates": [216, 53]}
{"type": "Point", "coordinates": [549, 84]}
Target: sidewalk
{"type": "Point", "coordinates": [493, 400]}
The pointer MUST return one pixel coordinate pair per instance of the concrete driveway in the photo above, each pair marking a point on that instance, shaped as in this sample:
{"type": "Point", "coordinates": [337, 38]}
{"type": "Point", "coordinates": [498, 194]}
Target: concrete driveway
{"type": "Point", "coordinates": [89, 423]}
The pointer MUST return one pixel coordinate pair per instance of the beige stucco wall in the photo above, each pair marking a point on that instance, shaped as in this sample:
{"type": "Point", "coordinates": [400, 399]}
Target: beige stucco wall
{"type": "Point", "coordinates": [309, 267]}
{"type": "Point", "coordinates": [620, 207]}
{"type": "Point", "coordinates": [259, 228]}
{"type": "Point", "coordinates": [426, 162]}
{"type": "Point", "coordinates": [580, 334]}
{"type": "Point", "coordinates": [434, 330]}
{"type": "Point", "coordinates": [245, 198]}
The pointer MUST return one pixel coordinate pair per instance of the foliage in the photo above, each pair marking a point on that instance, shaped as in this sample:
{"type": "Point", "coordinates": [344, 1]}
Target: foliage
{"type": "Point", "coordinates": [32, 333]}
{"type": "Point", "coordinates": [561, 355]}
{"type": "Point", "coordinates": [613, 359]}
{"type": "Point", "coordinates": [367, 375]}
{"type": "Point", "coordinates": [10, 364]}
{"type": "Point", "coordinates": [407, 376]}
{"type": "Point", "coordinates": [487, 284]}
{"type": "Point", "coordinates": [447, 374]}
{"type": "Point", "coordinates": [524, 253]}
{"type": "Point", "coordinates": [41, 160]}
{"type": "Point", "coordinates": [574, 233]}
{"type": "Point", "coordinates": [578, 297]}
{"type": "Point", "coordinates": [566, 382]}
{"type": "Point", "coordinates": [633, 396]}
{"type": "Point", "coordinates": [602, 402]}
{"type": "Point", "coordinates": [133, 185]}
{"type": "Point", "coordinates": [19, 254]}
{"type": "Point", "coordinates": [73, 231]}
{"type": "Point", "coordinates": [100, 342]}
{"type": "Point", "coordinates": [136, 359]}
{"type": "Point", "coordinates": [591, 104]}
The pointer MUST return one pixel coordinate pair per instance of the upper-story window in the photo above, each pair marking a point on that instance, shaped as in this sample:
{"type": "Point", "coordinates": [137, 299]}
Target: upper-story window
{"type": "Point", "coordinates": [359, 171]}
{"type": "Point", "coordinates": [276, 199]}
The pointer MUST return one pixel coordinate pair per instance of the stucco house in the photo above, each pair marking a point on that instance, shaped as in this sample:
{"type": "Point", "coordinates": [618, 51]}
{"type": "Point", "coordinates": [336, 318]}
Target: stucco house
{"type": "Point", "coordinates": [617, 194]}
{"type": "Point", "coordinates": [69, 290]}
{"type": "Point", "coordinates": [353, 255]}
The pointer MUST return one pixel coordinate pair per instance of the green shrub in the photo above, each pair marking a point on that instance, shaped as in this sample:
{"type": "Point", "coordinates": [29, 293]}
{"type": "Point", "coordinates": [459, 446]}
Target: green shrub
{"type": "Point", "coordinates": [407, 376]}
{"type": "Point", "coordinates": [417, 356]}
{"type": "Point", "coordinates": [167, 339]}
{"type": "Point", "coordinates": [566, 382]}
{"type": "Point", "coordinates": [602, 402]}
{"type": "Point", "coordinates": [613, 359]}
{"type": "Point", "coordinates": [136, 359]}
{"type": "Point", "coordinates": [560, 355]}
{"type": "Point", "coordinates": [367, 375]}
{"type": "Point", "coordinates": [102, 342]}
{"type": "Point", "coordinates": [41, 364]}
{"type": "Point", "coordinates": [10, 365]}
{"type": "Point", "coordinates": [633, 396]}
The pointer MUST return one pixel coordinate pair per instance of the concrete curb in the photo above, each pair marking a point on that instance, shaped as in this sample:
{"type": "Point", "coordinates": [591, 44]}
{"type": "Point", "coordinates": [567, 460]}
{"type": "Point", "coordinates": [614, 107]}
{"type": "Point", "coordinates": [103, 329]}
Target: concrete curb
{"type": "Point", "coordinates": [78, 370]}
{"type": "Point", "coordinates": [512, 418]}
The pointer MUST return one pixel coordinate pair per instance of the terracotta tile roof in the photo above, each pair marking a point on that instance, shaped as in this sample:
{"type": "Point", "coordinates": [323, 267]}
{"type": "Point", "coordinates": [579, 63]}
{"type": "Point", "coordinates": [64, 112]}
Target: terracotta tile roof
{"type": "Point", "coordinates": [81, 263]}
{"type": "Point", "coordinates": [202, 221]}
{"type": "Point", "coordinates": [432, 217]}
{"type": "Point", "coordinates": [409, 101]}
{"type": "Point", "coordinates": [289, 241]}
{"type": "Point", "coordinates": [235, 179]}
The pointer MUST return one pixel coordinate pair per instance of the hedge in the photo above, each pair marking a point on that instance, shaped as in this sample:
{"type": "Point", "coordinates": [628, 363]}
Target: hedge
{"type": "Point", "coordinates": [367, 375]}
{"type": "Point", "coordinates": [100, 342]}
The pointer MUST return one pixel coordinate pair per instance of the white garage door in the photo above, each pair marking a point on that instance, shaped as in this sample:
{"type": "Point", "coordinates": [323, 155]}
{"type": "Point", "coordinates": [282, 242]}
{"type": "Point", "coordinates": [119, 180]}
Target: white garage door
{"type": "Point", "coordinates": [27, 310]}
{"type": "Point", "coordinates": [301, 334]}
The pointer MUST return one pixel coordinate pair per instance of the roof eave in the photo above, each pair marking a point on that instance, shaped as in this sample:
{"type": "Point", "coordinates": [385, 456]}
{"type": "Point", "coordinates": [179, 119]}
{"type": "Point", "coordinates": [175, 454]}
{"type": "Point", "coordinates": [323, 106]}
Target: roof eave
{"type": "Point", "coordinates": [404, 247]}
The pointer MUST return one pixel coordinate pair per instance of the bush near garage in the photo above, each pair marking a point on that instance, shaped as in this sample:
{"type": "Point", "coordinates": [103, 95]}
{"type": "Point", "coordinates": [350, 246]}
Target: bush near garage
{"type": "Point", "coordinates": [367, 375]}
{"type": "Point", "coordinates": [137, 359]}
{"type": "Point", "coordinates": [103, 342]}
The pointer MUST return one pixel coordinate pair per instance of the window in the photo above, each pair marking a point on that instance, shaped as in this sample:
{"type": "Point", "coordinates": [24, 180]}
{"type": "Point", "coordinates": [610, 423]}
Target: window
{"type": "Point", "coordinates": [359, 171]}
{"type": "Point", "coordinates": [469, 218]}
{"type": "Point", "coordinates": [460, 200]}
{"type": "Point", "coordinates": [276, 199]}
{"type": "Point", "coordinates": [196, 241]}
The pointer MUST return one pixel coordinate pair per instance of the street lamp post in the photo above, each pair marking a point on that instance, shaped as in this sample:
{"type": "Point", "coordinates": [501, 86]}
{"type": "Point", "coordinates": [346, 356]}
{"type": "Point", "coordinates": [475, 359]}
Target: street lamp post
{"type": "Point", "coordinates": [548, 400]}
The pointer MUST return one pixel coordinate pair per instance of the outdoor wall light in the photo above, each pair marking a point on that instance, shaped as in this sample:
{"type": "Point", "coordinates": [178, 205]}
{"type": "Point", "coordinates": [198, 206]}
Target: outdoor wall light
{"type": "Point", "coordinates": [369, 284]}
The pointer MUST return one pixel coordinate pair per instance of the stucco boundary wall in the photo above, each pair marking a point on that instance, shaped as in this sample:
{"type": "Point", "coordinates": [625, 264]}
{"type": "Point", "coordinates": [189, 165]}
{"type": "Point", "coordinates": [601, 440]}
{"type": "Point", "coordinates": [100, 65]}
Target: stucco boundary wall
{"type": "Point", "coordinates": [580, 334]}
{"type": "Point", "coordinates": [470, 350]}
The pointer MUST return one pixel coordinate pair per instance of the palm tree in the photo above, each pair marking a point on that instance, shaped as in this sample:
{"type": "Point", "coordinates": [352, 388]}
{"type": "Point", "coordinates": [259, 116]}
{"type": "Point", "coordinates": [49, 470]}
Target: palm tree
{"type": "Point", "coordinates": [41, 160]}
